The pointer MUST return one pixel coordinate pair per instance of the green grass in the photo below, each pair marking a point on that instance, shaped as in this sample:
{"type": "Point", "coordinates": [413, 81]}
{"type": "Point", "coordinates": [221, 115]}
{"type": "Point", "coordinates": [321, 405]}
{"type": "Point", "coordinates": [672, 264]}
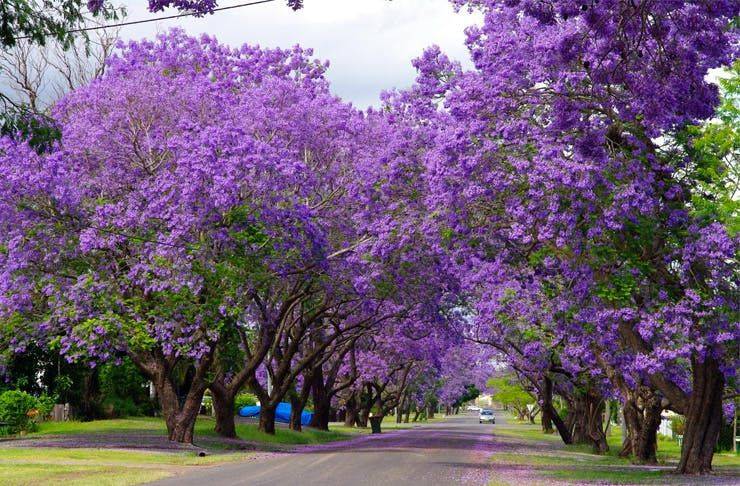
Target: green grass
{"type": "Point", "coordinates": [549, 459]}
{"type": "Point", "coordinates": [82, 467]}
{"type": "Point", "coordinates": [114, 426]}
{"type": "Point", "coordinates": [203, 428]}
{"type": "Point", "coordinates": [593, 475]}
{"type": "Point", "coordinates": [89, 456]}
{"type": "Point", "coordinates": [39, 473]}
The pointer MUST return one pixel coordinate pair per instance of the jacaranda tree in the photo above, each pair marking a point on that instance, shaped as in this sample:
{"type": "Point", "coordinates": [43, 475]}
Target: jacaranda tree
{"type": "Point", "coordinates": [557, 154]}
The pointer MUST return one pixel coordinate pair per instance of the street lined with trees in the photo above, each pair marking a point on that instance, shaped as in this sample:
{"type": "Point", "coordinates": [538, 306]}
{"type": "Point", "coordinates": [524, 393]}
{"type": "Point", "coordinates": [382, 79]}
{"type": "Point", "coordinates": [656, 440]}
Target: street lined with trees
{"type": "Point", "coordinates": [562, 217]}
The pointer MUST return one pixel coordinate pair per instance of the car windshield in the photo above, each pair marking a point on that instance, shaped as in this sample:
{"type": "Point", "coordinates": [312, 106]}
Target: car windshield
{"type": "Point", "coordinates": [486, 412]}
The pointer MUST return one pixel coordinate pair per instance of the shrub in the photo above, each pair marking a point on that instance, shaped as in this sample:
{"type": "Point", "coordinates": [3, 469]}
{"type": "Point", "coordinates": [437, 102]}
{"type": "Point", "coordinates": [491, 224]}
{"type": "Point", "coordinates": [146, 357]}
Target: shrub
{"type": "Point", "coordinates": [45, 405]}
{"type": "Point", "coordinates": [19, 411]}
{"type": "Point", "coordinates": [678, 425]}
{"type": "Point", "coordinates": [124, 390]}
{"type": "Point", "coordinates": [117, 407]}
{"type": "Point", "coordinates": [244, 400]}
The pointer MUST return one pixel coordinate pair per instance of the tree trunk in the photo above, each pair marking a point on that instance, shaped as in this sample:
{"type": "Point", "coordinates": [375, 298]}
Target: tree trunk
{"type": "Point", "coordinates": [179, 414]}
{"type": "Point", "coordinates": [350, 415]}
{"type": "Point", "coordinates": [267, 418]}
{"type": "Point", "coordinates": [561, 427]}
{"type": "Point", "coordinates": [703, 418]}
{"type": "Point", "coordinates": [223, 409]}
{"type": "Point", "coordinates": [631, 418]}
{"type": "Point", "coordinates": [417, 413]}
{"type": "Point", "coordinates": [547, 419]}
{"type": "Point", "coordinates": [296, 410]}
{"type": "Point", "coordinates": [596, 434]}
{"type": "Point", "coordinates": [646, 445]}
{"type": "Point", "coordinates": [321, 402]}
{"type": "Point", "coordinates": [321, 415]}
{"type": "Point", "coordinates": [585, 420]}
{"type": "Point", "coordinates": [362, 417]}
{"type": "Point", "coordinates": [180, 420]}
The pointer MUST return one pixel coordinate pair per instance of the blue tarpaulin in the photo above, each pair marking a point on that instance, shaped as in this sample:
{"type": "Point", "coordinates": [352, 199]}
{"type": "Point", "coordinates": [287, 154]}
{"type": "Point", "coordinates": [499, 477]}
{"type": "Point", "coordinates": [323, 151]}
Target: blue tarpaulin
{"type": "Point", "coordinates": [282, 413]}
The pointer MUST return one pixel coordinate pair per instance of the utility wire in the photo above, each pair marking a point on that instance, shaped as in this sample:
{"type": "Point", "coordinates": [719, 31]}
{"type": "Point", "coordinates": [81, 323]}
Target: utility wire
{"type": "Point", "coordinates": [145, 21]}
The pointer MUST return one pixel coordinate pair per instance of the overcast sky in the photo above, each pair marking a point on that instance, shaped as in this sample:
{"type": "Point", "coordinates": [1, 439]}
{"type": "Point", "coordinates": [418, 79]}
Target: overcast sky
{"type": "Point", "coordinates": [370, 43]}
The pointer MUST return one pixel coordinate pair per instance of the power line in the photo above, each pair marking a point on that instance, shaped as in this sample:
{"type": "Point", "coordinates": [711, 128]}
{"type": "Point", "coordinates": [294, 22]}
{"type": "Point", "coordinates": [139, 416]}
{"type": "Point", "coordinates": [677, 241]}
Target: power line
{"type": "Point", "coordinates": [144, 21]}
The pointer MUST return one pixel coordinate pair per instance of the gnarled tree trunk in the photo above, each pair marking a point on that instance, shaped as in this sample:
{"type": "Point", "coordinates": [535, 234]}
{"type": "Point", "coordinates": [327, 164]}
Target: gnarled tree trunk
{"type": "Point", "coordinates": [321, 402]}
{"type": "Point", "coordinates": [547, 407]}
{"type": "Point", "coordinates": [267, 418]}
{"type": "Point", "coordinates": [350, 415]}
{"type": "Point", "coordinates": [585, 421]}
{"type": "Point", "coordinates": [562, 428]}
{"type": "Point", "coordinates": [642, 419]}
{"type": "Point", "coordinates": [180, 410]}
{"type": "Point", "coordinates": [223, 409]}
{"type": "Point", "coordinates": [703, 417]}
{"type": "Point", "coordinates": [298, 403]}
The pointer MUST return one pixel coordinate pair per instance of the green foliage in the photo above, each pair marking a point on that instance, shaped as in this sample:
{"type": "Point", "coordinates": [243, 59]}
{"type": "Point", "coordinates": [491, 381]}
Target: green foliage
{"type": "Point", "coordinates": [45, 405]}
{"type": "Point", "coordinates": [678, 424]}
{"type": "Point", "coordinates": [42, 21]}
{"type": "Point", "coordinates": [117, 407]}
{"type": "Point", "coordinates": [38, 130]}
{"type": "Point", "coordinates": [124, 390]}
{"type": "Point", "coordinates": [714, 149]}
{"type": "Point", "coordinates": [619, 289]}
{"type": "Point", "coordinates": [508, 392]}
{"type": "Point", "coordinates": [19, 410]}
{"type": "Point", "coordinates": [471, 393]}
{"type": "Point", "coordinates": [244, 400]}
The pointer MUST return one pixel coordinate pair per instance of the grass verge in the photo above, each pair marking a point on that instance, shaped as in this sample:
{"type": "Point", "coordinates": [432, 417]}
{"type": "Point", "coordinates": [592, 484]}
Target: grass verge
{"type": "Point", "coordinates": [83, 467]}
{"type": "Point", "coordinates": [545, 458]}
{"type": "Point", "coordinates": [203, 429]}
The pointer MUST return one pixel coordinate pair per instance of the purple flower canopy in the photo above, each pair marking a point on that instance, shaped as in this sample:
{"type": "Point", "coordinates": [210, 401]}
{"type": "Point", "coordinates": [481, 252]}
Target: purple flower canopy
{"type": "Point", "coordinates": [539, 205]}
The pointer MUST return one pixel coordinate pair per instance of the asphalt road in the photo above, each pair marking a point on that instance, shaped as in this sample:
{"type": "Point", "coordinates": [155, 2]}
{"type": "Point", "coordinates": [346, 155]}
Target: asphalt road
{"type": "Point", "coordinates": [455, 451]}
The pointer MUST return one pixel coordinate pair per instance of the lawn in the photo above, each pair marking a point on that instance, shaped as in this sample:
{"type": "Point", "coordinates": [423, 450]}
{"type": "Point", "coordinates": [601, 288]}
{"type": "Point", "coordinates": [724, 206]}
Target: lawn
{"type": "Point", "coordinates": [203, 430]}
{"type": "Point", "coordinates": [545, 458]}
{"type": "Point", "coordinates": [81, 467]}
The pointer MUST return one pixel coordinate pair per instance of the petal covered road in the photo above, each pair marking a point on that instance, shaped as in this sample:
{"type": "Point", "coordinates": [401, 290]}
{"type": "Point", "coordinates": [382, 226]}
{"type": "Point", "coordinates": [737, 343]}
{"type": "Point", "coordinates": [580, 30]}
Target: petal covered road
{"type": "Point", "coordinates": [455, 451]}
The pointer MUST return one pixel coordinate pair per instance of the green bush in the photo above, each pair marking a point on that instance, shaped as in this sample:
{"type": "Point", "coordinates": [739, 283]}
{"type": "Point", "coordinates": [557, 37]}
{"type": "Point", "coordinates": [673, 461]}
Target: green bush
{"type": "Point", "coordinates": [18, 411]}
{"type": "Point", "coordinates": [726, 437]}
{"type": "Point", "coordinates": [678, 425]}
{"type": "Point", "coordinates": [45, 405]}
{"type": "Point", "coordinates": [244, 400]}
{"type": "Point", "coordinates": [117, 407]}
{"type": "Point", "coordinates": [124, 391]}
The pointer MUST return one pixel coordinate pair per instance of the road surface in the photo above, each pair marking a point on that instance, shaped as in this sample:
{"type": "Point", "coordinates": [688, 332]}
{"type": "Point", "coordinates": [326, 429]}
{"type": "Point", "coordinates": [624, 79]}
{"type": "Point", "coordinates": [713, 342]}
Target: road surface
{"type": "Point", "coordinates": [455, 451]}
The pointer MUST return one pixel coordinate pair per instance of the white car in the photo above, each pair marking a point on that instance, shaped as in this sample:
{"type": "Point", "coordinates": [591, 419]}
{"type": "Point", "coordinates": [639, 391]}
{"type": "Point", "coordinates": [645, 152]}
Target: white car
{"type": "Point", "coordinates": [473, 408]}
{"type": "Point", "coordinates": [486, 415]}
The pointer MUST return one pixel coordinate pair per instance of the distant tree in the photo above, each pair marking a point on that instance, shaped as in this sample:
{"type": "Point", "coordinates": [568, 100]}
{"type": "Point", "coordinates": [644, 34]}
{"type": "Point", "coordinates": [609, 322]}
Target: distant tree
{"type": "Point", "coordinates": [510, 393]}
{"type": "Point", "coordinates": [471, 393]}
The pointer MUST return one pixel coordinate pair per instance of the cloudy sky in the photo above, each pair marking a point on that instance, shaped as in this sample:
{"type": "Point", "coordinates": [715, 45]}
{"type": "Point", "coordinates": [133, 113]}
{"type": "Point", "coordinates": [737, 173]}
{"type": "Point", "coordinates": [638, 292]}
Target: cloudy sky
{"type": "Point", "coordinates": [369, 43]}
